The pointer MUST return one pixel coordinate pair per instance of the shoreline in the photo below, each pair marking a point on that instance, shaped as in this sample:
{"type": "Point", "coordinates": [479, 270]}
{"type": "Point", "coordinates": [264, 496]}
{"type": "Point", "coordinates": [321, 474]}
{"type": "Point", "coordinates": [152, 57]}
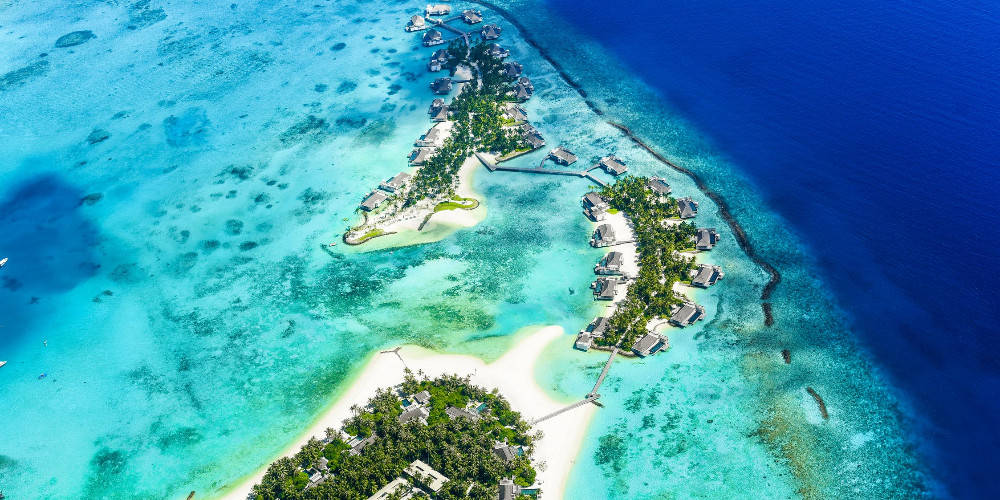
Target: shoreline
{"type": "Point", "coordinates": [513, 374]}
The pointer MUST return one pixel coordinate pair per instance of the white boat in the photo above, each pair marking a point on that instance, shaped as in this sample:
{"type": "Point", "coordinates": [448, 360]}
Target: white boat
{"type": "Point", "coordinates": [3, 262]}
{"type": "Point", "coordinates": [2, 363]}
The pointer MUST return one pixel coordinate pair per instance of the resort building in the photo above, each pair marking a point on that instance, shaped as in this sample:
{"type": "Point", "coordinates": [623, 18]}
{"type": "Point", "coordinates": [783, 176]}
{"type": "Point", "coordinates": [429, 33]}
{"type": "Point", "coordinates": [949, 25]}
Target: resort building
{"type": "Point", "coordinates": [472, 16]}
{"type": "Point", "coordinates": [358, 444]}
{"type": "Point", "coordinates": [512, 70]}
{"type": "Point", "coordinates": [436, 106]}
{"type": "Point", "coordinates": [497, 51]}
{"type": "Point", "coordinates": [432, 38]}
{"type": "Point", "coordinates": [439, 59]}
{"type": "Point", "coordinates": [593, 331]}
{"type": "Point", "coordinates": [604, 236]}
{"type": "Point", "coordinates": [426, 475]}
{"type": "Point", "coordinates": [514, 112]}
{"type": "Point", "coordinates": [562, 156]}
{"type": "Point", "coordinates": [610, 264]}
{"type": "Point", "coordinates": [441, 85]}
{"type": "Point", "coordinates": [454, 413]}
{"type": "Point", "coordinates": [373, 200]}
{"type": "Point", "coordinates": [438, 10]}
{"type": "Point", "coordinates": [532, 136]}
{"type": "Point", "coordinates": [705, 238]}
{"type": "Point", "coordinates": [594, 200]}
{"type": "Point", "coordinates": [396, 183]}
{"type": "Point", "coordinates": [524, 89]}
{"type": "Point", "coordinates": [422, 397]}
{"type": "Point", "coordinates": [706, 275]}
{"type": "Point", "coordinates": [434, 137]}
{"type": "Point", "coordinates": [648, 344]}
{"type": "Point", "coordinates": [659, 186]}
{"type": "Point", "coordinates": [612, 165]}
{"type": "Point", "coordinates": [688, 207]}
{"type": "Point", "coordinates": [509, 490]}
{"type": "Point", "coordinates": [604, 288]}
{"type": "Point", "coordinates": [687, 314]}
{"type": "Point", "coordinates": [415, 414]}
{"type": "Point", "coordinates": [504, 451]}
{"type": "Point", "coordinates": [420, 155]}
{"type": "Point", "coordinates": [416, 24]}
{"type": "Point", "coordinates": [399, 489]}
{"type": "Point", "coordinates": [490, 32]}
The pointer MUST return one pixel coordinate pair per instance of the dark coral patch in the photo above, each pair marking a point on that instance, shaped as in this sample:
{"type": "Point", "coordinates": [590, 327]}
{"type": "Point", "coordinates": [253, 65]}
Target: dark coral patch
{"type": "Point", "coordinates": [75, 38]}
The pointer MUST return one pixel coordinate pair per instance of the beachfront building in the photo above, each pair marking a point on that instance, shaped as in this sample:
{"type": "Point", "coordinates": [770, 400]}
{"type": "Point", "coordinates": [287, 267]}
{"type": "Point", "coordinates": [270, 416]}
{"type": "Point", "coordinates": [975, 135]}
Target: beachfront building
{"type": "Point", "coordinates": [432, 38]}
{"type": "Point", "coordinates": [610, 264]}
{"type": "Point", "coordinates": [687, 207]}
{"type": "Point", "coordinates": [441, 85]}
{"type": "Point", "coordinates": [649, 344]}
{"type": "Point", "coordinates": [604, 236]}
{"type": "Point", "coordinates": [705, 238]}
{"type": "Point", "coordinates": [396, 183]}
{"type": "Point", "coordinates": [513, 112]}
{"type": "Point", "coordinates": [490, 32]}
{"type": "Point", "coordinates": [509, 490]}
{"type": "Point", "coordinates": [436, 106]}
{"type": "Point", "coordinates": [562, 156]}
{"type": "Point", "coordinates": [426, 475]}
{"type": "Point", "coordinates": [686, 314]}
{"type": "Point", "coordinates": [434, 137]}
{"type": "Point", "coordinates": [593, 331]}
{"type": "Point", "coordinates": [659, 187]}
{"type": "Point", "coordinates": [358, 444]}
{"type": "Point", "coordinates": [422, 397]}
{"type": "Point", "coordinates": [706, 275]}
{"type": "Point", "coordinates": [604, 288]}
{"type": "Point", "coordinates": [420, 155]}
{"type": "Point", "coordinates": [373, 200]}
{"type": "Point", "coordinates": [532, 136]}
{"type": "Point", "coordinates": [439, 60]}
{"type": "Point", "coordinates": [512, 70]}
{"type": "Point", "coordinates": [454, 413]}
{"type": "Point", "coordinates": [504, 451]}
{"type": "Point", "coordinates": [497, 51]}
{"type": "Point", "coordinates": [439, 9]}
{"type": "Point", "coordinates": [524, 89]}
{"type": "Point", "coordinates": [398, 489]}
{"type": "Point", "coordinates": [415, 414]}
{"type": "Point", "coordinates": [612, 165]}
{"type": "Point", "coordinates": [472, 16]}
{"type": "Point", "coordinates": [416, 23]}
{"type": "Point", "coordinates": [594, 200]}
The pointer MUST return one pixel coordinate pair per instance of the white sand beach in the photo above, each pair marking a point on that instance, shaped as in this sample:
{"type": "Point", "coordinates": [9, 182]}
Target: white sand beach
{"type": "Point", "coordinates": [512, 374]}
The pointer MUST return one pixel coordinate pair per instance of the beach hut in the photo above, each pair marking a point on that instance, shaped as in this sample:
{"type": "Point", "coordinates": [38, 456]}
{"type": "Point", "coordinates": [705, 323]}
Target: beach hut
{"type": "Point", "coordinates": [414, 414]}
{"type": "Point", "coordinates": [432, 38]}
{"type": "Point", "coordinates": [687, 207]}
{"type": "Point", "coordinates": [583, 341]}
{"type": "Point", "coordinates": [454, 413]}
{"type": "Point", "coordinates": [648, 344]}
{"type": "Point", "coordinates": [504, 451]}
{"type": "Point", "coordinates": [397, 488]}
{"type": "Point", "coordinates": [604, 288]}
{"type": "Point", "coordinates": [422, 397]}
{"type": "Point", "coordinates": [532, 136]}
{"type": "Point", "coordinates": [396, 183]}
{"type": "Point", "coordinates": [416, 24]}
{"type": "Point", "coordinates": [706, 238]}
{"type": "Point", "coordinates": [420, 155]}
{"type": "Point", "coordinates": [497, 51]}
{"type": "Point", "coordinates": [434, 137]}
{"type": "Point", "coordinates": [706, 275]}
{"type": "Point", "coordinates": [604, 236]}
{"type": "Point", "coordinates": [514, 112]}
{"type": "Point", "coordinates": [524, 89]}
{"type": "Point", "coordinates": [686, 314]}
{"type": "Point", "coordinates": [358, 444]}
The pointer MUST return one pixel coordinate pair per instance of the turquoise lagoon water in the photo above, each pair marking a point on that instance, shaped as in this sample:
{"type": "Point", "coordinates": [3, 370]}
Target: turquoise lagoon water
{"type": "Point", "coordinates": [170, 186]}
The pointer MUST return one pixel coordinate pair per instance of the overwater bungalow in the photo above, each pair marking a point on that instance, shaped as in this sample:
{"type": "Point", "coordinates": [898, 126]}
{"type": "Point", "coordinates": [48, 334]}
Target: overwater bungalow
{"type": "Point", "coordinates": [524, 89]}
{"type": "Point", "coordinates": [532, 136]}
{"type": "Point", "coordinates": [583, 341]}
{"type": "Point", "coordinates": [604, 288]}
{"type": "Point", "coordinates": [706, 275]}
{"type": "Point", "coordinates": [454, 413]}
{"type": "Point", "coordinates": [373, 200]}
{"type": "Point", "coordinates": [592, 199]}
{"type": "Point", "coordinates": [705, 238]}
{"type": "Point", "coordinates": [612, 165]}
{"type": "Point", "coordinates": [497, 51]}
{"type": "Point", "coordinates": [434, 137]}
{"type": "Point", "coordinates": [648, 344]}
{"type": "Point", "coordinates": [659, 187]}
{"type": "Point", "coordinates": [688, 207]}
{"type": "Point", "coordinates": [420, 155]}
{"type": "Point", "coordinates": [439, 9]}
{"type": "Point", "coordinates": [441, 85]}
{"type": "Point", "coordinates": [512, 70]}
{"type": "Point", "coordinates": [472, 16]}
{"type": "Point", "coordinates": [416, 23]}
{"type": "Point", "coordinates": [686, 314]}
{"type": "Point", "coordinates": [436, 106]}
{"type": "Point", "coordinates": [414, 414]}
{"type": "Point", "coordinates": [593, 331]}
{"type": "Point", "coordinates": [432, 38]}
{"type": "Point", "coordinates": [441, 115]}
{"type": "Point", "coordinates": [490, 32]}
{"type": "Point", "coordinates": [426, 475]}
{"type": "Point", "coordinates": [562, 156]}
{"type": "Point", "coordinates": [509, 490]}
{"type": "Point", "coordinates": [514, 112]}
{"type": "Point", "coordinates": [604, 236]}
{"type": "Point", "coordinates": [396, 183]}
{"type": "Point", "coordinates": [611, 264]}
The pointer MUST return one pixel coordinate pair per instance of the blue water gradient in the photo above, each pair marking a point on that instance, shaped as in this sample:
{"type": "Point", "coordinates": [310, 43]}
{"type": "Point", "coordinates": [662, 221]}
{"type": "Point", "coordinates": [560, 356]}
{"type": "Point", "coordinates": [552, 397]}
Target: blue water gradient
{"type": "Point", "coordinates": [871, 127]}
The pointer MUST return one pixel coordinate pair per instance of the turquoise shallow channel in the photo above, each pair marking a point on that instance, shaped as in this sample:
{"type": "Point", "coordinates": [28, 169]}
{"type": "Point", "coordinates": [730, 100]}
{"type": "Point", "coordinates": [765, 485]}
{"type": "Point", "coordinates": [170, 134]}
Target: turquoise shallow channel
{"type": "Point", "coordinates": [169, 185]}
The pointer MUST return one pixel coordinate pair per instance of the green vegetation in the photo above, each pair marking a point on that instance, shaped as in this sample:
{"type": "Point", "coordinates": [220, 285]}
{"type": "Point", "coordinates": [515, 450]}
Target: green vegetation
{"type": "Point", "coordinates": [470, 204]}
{"type": "Point", "coordinates": [479, 123]}
{"type": "Point", "coordinates": [660, 265]}
{"type": "Point", "coordinates": [371, 234]}
{"type": "Point", "coordinates": [461, 449]}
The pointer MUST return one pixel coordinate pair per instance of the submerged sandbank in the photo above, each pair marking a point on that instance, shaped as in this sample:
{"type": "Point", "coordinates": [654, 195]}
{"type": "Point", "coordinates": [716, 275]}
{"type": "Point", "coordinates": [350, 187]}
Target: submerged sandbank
{"type": "Point", "coordinates": [513, 374]}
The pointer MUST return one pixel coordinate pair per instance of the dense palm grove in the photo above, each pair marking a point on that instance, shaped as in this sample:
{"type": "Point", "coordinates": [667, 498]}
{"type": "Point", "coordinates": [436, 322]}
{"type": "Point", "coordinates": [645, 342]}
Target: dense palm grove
{"type": "Point", "coordinates": [660, 264]}
{"type": "Point", "coordinates": [459, 448]}
{"type": "Point", "coordinates": [478, 122]}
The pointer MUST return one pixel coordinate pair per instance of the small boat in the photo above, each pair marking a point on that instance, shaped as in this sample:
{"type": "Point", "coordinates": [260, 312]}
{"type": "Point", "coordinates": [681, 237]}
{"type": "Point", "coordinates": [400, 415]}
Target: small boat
{"type": "Point", "coordinates": [43, 376]}
{"type": "Point", "coordinates": [3, 262]}
{"type": "Point", "coordinates": [333, 244]}
{"type": "Point", "coordinates": [2, 363]}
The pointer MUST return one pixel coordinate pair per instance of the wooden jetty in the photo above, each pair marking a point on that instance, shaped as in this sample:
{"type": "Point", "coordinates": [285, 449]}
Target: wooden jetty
{"type": "Point", "coordinates": [492, 167]}
{"type": "Point", "coordinates": [591, 398]}
{"type": "Point", "coordinates": [604, 372]}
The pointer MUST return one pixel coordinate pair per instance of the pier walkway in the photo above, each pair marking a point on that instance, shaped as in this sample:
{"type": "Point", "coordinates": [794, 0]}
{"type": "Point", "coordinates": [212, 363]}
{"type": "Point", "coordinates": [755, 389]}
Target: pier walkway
{"type": "Point", "coordinates": [589, 399]}
{"type": "Point", "coordinates": [604, 372]}
{"type": "Point", "coordinates": [492, 167]}
{"type": "Point", "coordinates": [443, 24]}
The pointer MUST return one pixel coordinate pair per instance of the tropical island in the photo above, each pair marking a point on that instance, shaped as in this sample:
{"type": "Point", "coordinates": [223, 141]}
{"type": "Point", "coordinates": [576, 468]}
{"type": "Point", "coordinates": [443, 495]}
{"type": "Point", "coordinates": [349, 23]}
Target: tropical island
{"type": "Point", "coordinates": [441, 438]}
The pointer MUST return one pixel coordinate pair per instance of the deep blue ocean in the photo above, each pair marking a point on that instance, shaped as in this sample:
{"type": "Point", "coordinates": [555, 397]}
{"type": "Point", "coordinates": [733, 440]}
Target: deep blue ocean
{"type": "Point", "coordinates": [872, 128]}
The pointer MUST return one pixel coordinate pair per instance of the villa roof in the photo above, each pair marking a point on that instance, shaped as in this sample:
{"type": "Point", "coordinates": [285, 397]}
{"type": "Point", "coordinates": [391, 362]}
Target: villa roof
{"type": "Point", "coordinates": [441, 115]}
{"type": "Point", "coordinates": [432, 37]}
{"type": "Point", "coordinates": [532, 136]}
{"type": "Point", "coordinates": [436, 104]}
{"type": "Point", "coordinates": [562, 156]}
{"type": "Point", "coordinates": [359, 446]}
{"type": "Point", "coordinates": [454, 413]}
{"type": "Point", "coordinates": [441, 85]}
{"type": "Point", "coordinates": [659, 186]}
{"type": "Point", "coordinates": [426, 474]}
{"type": "Point", "coordinates": [490, 32]}
{"type": "Point", "coordinates": [504, 451]}
{"type": "Point", "coordinates": [592, 199]}
{"type": "Point", "coordinates": [398, 181]}
{"type": "Point", "coordinates": [687, 314]}
{"type": "Point", "coordinates": [394, 489]}
{"type": "Point", "coordinates": [440, 55]}
{"type": "Point", "coordinates": [648, 344]}
{"type": "Point", "coordinates": [613, 165]}
{"type": "Point", "coordinates": [605, 232]}
{"type": "Point", "coordinates": [610, 264]}
{"type": "Point", "coordinates": [438, 9]}
{"type": "Point", "coordinates": [512, 69]}
{"type": "Point", "coordinates": [417, 20]}
{"type": "Point", "coordinates": [604, 288]}
{"type": "Point", "coordinates": [418, 413]}
{"type": "Point", "coordinates": [707, 275]}
{"type": "Point", "coordinates": [419, 155]}
{"type": "Point", "coordinates": [432, 137]}
{"type": "Point", "coordinates": [583, 341]}
{"type": "Point", "coordinates": [706, 238]}
{"type": "Point", "coordinates": [598, 326]}
{"type": "Point", "coordinates": [373, 200]}
{"type": "Point", "coordinates": [496, 50]}
{"type": "Point", "coordinates": [422, 397]}
{"type": "Point", "coordinates": [472, 16]}
{"type": "Point", "coordinates": [508, 489]}
{"type": "Point", "coordinates": [688, 207]}
{"type": "Point", "coordinates": [515, 112]}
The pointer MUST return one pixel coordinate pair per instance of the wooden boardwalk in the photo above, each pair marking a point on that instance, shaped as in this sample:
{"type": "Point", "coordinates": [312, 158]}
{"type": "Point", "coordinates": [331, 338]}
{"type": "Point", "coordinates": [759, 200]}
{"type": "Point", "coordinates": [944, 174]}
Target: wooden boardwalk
{"type": "Point", "coordinates": [604, 373]}
{"type": "Point", "coordinates": [492, 167]}
{"type": "Point", "coordinates": [443, 24]}
{"type": "Point", "coordinates": [589, 399]}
